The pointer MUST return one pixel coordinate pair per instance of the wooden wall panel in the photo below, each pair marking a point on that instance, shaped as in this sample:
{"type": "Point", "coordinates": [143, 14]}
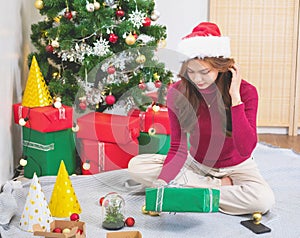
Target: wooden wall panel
{"type": "Point", "coordinates": [264, 43]}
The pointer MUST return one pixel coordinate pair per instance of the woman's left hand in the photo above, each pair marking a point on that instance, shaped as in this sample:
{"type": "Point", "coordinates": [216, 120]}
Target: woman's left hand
{"type": "Point", "coordinates": [234, 89]}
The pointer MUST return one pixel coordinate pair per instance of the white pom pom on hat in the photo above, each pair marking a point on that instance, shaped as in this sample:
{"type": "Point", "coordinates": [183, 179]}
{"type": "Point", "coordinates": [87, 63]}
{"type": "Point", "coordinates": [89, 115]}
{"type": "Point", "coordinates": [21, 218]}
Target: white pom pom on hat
{"type": "Point", "coordinates": [204, 41]}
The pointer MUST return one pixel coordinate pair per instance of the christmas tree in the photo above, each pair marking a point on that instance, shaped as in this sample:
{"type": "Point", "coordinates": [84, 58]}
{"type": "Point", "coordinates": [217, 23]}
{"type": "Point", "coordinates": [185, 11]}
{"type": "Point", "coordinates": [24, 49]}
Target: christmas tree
{"type": "Point", "coordinates": [96, 53]}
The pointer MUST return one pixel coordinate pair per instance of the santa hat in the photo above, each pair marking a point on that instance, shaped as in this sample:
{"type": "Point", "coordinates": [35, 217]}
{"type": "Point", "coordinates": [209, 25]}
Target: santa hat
{"type": "Point", "coordinates": [205, 41]}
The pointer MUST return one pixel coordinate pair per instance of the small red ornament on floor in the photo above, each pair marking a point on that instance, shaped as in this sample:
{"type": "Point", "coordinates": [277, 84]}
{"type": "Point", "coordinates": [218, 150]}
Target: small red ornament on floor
{"type": "Point", "coordinates": [57, 230]}
{"type": "Point", "coordinates": [74, 217]}
{"type": "Point", "coordinates": [129, 221]}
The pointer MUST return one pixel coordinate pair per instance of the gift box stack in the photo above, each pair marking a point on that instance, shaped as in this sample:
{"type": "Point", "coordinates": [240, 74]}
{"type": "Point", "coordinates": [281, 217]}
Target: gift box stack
{"type": "Point", "coordinates": [47, 134]}
{"type": "Point", "coordinates": [107, 141]}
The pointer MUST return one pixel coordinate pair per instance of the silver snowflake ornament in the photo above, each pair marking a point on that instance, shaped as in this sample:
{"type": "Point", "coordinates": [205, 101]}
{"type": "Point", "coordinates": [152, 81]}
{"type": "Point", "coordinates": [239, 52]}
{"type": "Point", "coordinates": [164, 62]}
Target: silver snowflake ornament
{"type": "Point", "coordinates": [101, 47]}
{"type": "Point", "coordinates": [136, 18]}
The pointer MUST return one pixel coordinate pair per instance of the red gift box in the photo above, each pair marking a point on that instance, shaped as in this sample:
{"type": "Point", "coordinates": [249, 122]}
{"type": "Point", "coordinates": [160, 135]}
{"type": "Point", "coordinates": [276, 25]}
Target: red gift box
{"type": "Point", "coordinates": [106, 127]}
{"type": "Point", "coordinates": [159, 121]}
{"type": "Point", "coordinates": [105, 156]}
{"type": "Point", "coordinates": [44, 119]}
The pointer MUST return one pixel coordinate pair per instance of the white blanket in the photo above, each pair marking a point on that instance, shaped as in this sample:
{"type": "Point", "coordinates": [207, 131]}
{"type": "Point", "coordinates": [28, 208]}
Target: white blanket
{"type": "Point", "coordinates": [280, 167]}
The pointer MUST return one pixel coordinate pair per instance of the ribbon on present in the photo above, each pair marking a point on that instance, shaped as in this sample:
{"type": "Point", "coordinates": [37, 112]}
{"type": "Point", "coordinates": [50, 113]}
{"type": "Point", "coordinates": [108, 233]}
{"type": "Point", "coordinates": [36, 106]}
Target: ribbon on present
{"type": "Point", "coordinates": [38, 146]}
{"type": "Point", "coordinates": [159, 199]}
{"type": "Point", "coordinates": [62, 113]}
{"type": "Point", "coordinates": [101, 156]}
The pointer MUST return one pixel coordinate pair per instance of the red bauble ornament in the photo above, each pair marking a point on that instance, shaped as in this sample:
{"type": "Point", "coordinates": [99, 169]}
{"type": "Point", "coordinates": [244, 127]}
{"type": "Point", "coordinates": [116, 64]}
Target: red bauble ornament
{"type": "Point", "coordinates": [110, 99]}
{"type": "Point", "coordinates": [111, 70]}
{"type": "Point", "coordinates": [147, 22]}
{"type": "Point", "coordinates": [129, 221]}
{"type": "Point", "coordinates": [49, 48]}
{"type": "Point", "coordinates": [157, 83]}
{"type": "Point", "coordinates": [113, 38]}
{"type": "Point", "coordinates": [74, 217]}
{"type": "Point", "coordinates": [68, 15]}
{"type": "Point", "coordinates": [101, 201]}
{"type": "Point", "coordinates": [120, 13]}
{"type": "Point", "coordinates": [82, 106]}
{"type": "Point", "coordinates": [142, 86]}
{"type": "Point", "coordinates": [57, 230]}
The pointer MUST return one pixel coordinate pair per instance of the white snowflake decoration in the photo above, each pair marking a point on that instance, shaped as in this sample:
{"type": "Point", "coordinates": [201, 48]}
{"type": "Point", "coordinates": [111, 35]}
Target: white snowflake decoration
{"type": "Point", "coordinates": [136, 18]}
{"type": "Point", "coordinates": [101, 47]}
{"type": "Point", "coordinates": [145, 38]}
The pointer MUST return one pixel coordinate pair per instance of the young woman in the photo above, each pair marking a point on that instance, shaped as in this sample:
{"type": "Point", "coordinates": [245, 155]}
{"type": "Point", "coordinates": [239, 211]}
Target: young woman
{"type": "Point", "coordinates": [218, 109]}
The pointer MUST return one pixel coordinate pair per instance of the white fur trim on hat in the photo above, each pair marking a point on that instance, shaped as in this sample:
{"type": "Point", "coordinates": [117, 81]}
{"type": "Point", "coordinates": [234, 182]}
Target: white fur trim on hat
{"type": "Point", "coordinates": [204, 46]}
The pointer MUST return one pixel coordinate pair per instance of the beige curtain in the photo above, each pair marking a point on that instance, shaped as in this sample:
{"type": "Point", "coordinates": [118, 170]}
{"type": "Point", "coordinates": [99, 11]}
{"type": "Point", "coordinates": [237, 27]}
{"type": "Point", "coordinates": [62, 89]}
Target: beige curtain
{"type": "Point", "coordinates": [264, 41]}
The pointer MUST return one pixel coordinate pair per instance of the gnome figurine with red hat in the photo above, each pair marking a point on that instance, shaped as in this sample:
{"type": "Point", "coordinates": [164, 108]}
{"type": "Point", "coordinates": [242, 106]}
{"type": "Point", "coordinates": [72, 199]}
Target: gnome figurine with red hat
{"type": "Point", "coordinates": [217, 109]}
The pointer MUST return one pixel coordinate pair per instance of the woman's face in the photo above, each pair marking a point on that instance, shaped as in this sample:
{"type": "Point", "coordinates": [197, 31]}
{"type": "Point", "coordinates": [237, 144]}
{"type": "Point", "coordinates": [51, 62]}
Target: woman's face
{"type": "Point", "coordinates": [201, 73]}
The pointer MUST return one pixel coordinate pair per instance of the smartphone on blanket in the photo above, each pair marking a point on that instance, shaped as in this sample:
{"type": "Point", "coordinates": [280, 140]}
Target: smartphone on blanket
{"type": "Point", "coordinates": [256, 228]}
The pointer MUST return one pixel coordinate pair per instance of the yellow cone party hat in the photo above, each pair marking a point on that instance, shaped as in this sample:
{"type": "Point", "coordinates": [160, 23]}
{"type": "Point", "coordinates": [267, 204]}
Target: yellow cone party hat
{"type": "Point", "coordinates": [36, 210]}
{"type": "Point", "coordinates": [36, 92]}
{"type": "Point", "coordinates": [63, 200]}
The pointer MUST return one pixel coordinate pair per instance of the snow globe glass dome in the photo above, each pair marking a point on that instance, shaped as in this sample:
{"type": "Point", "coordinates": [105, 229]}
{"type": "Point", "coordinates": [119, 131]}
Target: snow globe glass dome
{"type": "Point", "coordinates": [113, 209]}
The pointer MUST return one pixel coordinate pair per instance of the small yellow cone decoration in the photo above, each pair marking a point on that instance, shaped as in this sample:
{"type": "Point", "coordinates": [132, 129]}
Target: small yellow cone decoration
{"type": "Point", "coordinates": [36, 210]}
{"type": "Point", "coordinates": [36, 92]}
{"type": "Point", "coordinates": [63, 200]}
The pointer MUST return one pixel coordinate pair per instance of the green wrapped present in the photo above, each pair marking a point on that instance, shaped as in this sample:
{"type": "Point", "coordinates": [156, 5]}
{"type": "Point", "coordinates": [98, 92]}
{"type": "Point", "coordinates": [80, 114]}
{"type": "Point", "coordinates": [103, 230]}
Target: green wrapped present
{"type": "Point", "coordinates": [153, 144]}
{"type": "Point", "coordinates": [45, 151]}
{"type": "Point", "coordinates": [175, 199]}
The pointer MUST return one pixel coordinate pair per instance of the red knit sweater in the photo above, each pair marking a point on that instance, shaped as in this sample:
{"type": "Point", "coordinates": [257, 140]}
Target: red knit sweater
{"type": "Point", "coordinates": [208, 143]}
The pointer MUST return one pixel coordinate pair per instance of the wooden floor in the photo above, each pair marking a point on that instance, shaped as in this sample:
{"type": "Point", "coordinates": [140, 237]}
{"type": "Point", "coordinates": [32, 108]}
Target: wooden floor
{"type": "Point", "coordinates": [282, 141]}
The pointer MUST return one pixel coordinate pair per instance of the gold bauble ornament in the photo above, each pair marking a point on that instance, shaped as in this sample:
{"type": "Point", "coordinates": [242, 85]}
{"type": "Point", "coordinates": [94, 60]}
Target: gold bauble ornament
{"type": "Point", "coordinates": [56, 75]}
{"type": "Point", "coordinates": [57, 19]}
{"type": "Point", "coordinates": [140, 59]}
{"type": "Point", "coordinates": [155, 15]}
{"type": "Point", "coordinates": [257, 216]}
{"type": "Point", "coordinates": [96, 5]}
{"type": "Point", "coordinates": [130, 39]}
{"type": "Point", "coordinates": [39, 4]}
{"type": "Point", "coordinates": [144, 211]}
{"type": "Point", "coordinates": [162, 43]}
{"type": "Point", "coordinates": [153, 213]}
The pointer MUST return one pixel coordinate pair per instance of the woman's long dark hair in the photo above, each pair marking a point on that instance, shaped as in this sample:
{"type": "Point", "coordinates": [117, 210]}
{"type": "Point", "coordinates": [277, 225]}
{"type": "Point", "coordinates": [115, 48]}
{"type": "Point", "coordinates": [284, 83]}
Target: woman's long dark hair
{"type": "Point", "coordinates": [188, 108]}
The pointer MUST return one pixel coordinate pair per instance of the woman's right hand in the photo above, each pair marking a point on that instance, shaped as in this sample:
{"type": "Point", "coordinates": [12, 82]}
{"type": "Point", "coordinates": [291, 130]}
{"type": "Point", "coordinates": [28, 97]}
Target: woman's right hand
{"type": "Point", "coordinates": [226, 181]}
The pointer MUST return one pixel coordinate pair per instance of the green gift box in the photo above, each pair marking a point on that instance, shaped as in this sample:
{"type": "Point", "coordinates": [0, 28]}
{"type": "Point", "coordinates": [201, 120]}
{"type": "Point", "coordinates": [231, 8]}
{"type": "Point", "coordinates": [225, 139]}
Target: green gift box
{"type": "Point", "coordinates": [153, 144]}
{"type": "Point", "coordinates": [44, 151]}
{"type": "Point", "coordinates": [171, 199]}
